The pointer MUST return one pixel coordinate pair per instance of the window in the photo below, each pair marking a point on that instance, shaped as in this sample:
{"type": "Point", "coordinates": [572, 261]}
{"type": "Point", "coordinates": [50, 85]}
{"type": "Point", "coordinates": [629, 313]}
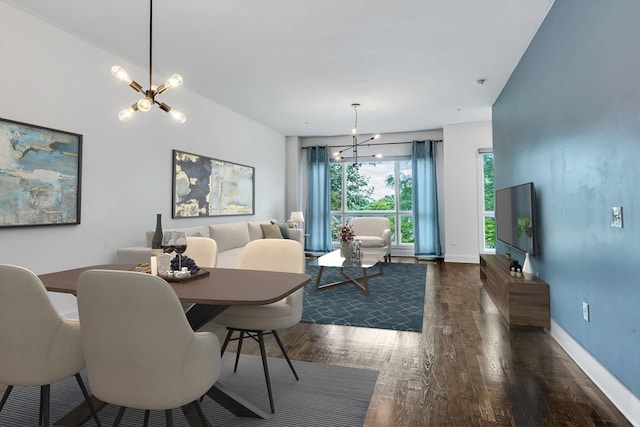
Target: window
{"type": "Point", "coordinates": [381, 188]}
{"type": "Point", "coordinates": [487, 214]}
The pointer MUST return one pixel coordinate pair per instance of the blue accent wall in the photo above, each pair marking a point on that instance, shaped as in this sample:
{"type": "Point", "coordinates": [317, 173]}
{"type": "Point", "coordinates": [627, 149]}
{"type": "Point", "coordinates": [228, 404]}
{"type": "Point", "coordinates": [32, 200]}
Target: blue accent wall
{"type": "Point", "coordinates": [569, 120]}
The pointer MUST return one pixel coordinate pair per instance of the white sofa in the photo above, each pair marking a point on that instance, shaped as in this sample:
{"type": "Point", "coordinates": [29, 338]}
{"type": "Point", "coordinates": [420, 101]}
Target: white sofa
{"type": "Point", "coordinates": [230, 237]}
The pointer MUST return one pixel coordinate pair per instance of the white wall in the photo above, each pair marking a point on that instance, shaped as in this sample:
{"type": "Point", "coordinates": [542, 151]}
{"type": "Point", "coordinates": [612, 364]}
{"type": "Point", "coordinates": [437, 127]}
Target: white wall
{"type": "Point", "coordinates": [53, 79]}
{"type": "Point", "coordinates": [461, 143]}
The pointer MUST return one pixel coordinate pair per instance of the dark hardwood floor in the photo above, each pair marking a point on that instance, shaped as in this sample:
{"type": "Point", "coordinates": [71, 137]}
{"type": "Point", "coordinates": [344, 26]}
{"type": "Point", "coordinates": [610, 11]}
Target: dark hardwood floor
{"type": "Point", "coordinates": [466, 368]}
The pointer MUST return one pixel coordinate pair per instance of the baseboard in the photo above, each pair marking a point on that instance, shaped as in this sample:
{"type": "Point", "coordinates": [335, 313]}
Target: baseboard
{"type": "Point", "coordinates": [618, 393]}
{"type": "Point", "coordinates": [466, 259]}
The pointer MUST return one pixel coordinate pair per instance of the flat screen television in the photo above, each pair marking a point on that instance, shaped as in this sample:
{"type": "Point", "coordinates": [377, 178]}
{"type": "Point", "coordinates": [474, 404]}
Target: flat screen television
{"type": "Point", "coordinates": [516, 217]}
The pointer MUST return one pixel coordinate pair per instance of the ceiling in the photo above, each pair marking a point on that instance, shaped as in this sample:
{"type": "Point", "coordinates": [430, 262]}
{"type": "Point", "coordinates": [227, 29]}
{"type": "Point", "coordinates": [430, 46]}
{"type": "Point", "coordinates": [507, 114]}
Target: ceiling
{"type": "Point", "coordinates": [297, 66]}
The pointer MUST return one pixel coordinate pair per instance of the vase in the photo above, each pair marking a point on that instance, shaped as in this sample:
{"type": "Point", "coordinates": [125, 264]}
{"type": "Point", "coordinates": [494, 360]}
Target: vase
{"type": "Point", "coordinates": [527, 270]}
{"type": "Point", "coordinates": [346, 250]}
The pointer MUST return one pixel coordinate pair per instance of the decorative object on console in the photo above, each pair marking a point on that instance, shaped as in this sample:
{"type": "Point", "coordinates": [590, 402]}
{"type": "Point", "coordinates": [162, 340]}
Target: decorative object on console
{"type": "Point", "coordinates": [527, 270]}
{"type": "Point", "coordinates": [149, 99]}
{"type": "Point", "coordinates": [40, 180]}
{"type": "Point", "coordinates": [204, 187]}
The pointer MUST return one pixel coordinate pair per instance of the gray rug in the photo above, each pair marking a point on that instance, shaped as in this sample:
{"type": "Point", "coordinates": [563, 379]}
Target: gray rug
{"type": "Point", "coordinates": [326, 395]}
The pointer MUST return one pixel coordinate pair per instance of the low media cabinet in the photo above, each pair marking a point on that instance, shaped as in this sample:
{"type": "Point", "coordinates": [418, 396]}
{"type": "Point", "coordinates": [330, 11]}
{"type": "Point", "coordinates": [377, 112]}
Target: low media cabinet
{"type": "Point", "coordinates": [522, 302]}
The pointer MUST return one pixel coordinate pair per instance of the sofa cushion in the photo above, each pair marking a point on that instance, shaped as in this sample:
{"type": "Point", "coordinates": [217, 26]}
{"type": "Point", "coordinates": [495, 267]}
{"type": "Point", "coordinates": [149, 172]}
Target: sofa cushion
{"type": "Point", "coordinates": [255, 231]}
{"type": "Point", "coordinates": [284, 229]}
{"type": "Point", "coordinates": [229, 258]}
{"type": "Point", "coordinates": [196, 231]}
{"type": "Point", "coordinates": [271, 231]}
{"type": "Point", "coordinates": [229, 236]}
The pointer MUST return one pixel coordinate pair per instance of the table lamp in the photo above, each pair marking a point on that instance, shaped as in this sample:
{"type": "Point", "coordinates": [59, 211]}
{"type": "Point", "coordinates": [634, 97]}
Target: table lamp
{"type": "Point", "coordinates": [297, 217]}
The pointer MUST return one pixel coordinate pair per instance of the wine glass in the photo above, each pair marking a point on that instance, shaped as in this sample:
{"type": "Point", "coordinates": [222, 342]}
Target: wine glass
{"type": "Point", "coordinates": [179, 245]}
{"type": "Point", "coordinates": [168, 242]}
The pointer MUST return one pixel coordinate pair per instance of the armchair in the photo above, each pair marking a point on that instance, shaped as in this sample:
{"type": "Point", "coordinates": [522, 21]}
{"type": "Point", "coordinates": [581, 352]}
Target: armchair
{"type": "Point", "coordinates": [373, 232]}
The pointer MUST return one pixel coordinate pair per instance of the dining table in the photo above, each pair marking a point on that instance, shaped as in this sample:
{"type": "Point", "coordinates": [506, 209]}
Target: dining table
{"type": "Point", "coordinates": [210, 293]}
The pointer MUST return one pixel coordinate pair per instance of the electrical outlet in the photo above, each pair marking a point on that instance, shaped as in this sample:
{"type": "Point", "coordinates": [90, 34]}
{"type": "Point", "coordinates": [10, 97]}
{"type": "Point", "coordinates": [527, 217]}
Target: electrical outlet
{"type": "Point", "coordinates": [616, 216]}
{"type": "Point", "coordinates": [585, 312]}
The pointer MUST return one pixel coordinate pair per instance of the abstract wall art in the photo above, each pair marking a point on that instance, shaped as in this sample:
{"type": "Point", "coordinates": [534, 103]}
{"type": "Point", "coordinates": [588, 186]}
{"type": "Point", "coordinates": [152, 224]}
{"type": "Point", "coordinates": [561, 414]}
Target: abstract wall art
{"type": "Point", "coordinates": [40, 174]}
{"type": "Point", "coordinates": [204, 187]}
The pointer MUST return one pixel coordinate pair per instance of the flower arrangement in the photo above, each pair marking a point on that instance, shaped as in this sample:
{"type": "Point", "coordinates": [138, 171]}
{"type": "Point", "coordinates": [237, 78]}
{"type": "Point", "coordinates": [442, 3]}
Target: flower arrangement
{"type": "Point", "coordinates": [346, 233]}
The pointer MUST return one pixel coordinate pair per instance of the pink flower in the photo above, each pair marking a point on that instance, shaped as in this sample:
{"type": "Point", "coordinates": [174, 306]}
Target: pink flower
{"type": "Point", "coordinates": [346, 233]}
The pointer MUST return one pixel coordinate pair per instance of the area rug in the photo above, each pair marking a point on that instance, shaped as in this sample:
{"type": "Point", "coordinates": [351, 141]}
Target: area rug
{"type": "Point", "coordinates": [395, 300]}
{"type": "Point", "coordinates": [326, 395]}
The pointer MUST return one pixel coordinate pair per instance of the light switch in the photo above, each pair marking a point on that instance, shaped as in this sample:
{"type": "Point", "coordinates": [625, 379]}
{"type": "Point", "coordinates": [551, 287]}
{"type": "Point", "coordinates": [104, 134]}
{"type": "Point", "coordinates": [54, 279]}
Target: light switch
{"type": "Point", "coordinates": [616, 216]}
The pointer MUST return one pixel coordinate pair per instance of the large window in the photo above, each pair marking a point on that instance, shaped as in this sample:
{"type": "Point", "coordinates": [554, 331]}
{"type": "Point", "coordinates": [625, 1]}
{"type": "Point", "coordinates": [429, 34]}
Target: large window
{"type": "Point", "coordinates": [381, 188]}
{"type": "Point", "coordinates": [487, 214]}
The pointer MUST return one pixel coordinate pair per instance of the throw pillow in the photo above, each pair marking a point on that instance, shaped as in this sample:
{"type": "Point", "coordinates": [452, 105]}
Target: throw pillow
{"type": "Point", "coordinates": [271, 231]}
{"type": "Point", "coordinates": [284, 230]}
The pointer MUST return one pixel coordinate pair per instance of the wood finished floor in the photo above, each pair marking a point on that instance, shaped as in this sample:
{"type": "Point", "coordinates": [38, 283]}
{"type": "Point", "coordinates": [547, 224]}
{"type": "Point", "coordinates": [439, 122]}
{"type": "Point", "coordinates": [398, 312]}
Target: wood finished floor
{"type": "Point", "coordinates": [465, 369]}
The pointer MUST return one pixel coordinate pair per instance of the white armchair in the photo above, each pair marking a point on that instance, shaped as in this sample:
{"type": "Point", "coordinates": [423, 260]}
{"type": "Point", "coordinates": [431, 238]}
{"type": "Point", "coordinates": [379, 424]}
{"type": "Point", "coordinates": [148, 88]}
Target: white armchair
{"type": "Point", "coordinates": [373, 232]}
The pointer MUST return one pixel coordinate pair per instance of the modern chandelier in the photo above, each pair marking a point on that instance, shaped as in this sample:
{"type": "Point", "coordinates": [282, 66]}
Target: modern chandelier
{"type": "Point", "coordinates": [354, 139]}
{"type": "Point", "coordinates": [150, 94]}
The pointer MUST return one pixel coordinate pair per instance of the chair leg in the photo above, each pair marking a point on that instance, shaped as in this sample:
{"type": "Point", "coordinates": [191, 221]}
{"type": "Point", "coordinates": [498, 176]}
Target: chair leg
{"type": "Point", "coordinates": [284, 352]}
{"type": "Point", "coordinates": [116, 422]}
{"type": "Point", "coordinates": [6, 394]}
{"type": "Point", "coordinates": [88, 399]}
{"type": "Point", "coordinates": [226, 342]}
{"type": "Point", "coordinates": [146, 418]}
{"type": "Point", "coordinates": [235, 367]}
{"type": "Point", "coordinates": [168, 414]}
{"type": "Point", "coordinates": [44, 404]}
{"type": "Point", "coordinates": [263, 353]}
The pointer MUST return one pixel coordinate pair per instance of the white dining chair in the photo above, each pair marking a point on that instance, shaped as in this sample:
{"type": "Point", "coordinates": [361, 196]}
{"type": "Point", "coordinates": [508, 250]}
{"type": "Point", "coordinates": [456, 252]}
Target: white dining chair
{"type": "Point", "coordinates": [37, 346]}
{"type": "Point", "coordinates": [254, 321]}
{"type": "Point", "coordinates": [203, 250]}
{"type": "Point", "coordinates": [140, 350]}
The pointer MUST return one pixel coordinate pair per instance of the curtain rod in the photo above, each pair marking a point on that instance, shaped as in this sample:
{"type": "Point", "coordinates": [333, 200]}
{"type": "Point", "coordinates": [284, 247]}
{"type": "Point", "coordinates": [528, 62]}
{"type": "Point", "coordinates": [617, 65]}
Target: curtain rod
{"type": "Point", "coordinates": [380, 143]}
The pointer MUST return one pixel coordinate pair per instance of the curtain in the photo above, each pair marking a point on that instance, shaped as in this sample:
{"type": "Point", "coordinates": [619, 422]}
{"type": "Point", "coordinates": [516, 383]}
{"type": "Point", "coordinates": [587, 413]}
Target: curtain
{"type": "Point", "coordinates": [426, 226]}
{"type": "Point", "coordinates": [318, 215]}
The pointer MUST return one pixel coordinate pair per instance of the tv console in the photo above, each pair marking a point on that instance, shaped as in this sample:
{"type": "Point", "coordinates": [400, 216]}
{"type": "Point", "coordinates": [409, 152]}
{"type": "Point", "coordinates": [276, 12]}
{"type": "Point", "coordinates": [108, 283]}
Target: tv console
{"type": "Point", "coordinates": [522, 302]}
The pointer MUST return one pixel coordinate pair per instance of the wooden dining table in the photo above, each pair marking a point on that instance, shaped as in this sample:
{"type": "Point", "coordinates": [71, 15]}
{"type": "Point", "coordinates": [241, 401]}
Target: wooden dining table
{"type": "Point", "coordinates": [210, 295]}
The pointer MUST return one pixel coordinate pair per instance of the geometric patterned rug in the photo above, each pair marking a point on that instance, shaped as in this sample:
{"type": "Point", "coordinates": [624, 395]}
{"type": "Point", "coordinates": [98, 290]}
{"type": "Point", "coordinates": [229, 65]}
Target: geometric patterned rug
{"type": "Point", "coordinates": [395, 300]}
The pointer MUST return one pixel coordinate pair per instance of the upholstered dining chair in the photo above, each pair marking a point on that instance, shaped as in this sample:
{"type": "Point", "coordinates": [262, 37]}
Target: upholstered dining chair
{"type": "Point", "coordinates": [139, 348]}
{"type": "Point", "coordinates": [203, 250]}
{"type": "Point", "coordinates": [373, 232]}
{"type": "Point", "coordinates": [257, 320]}
{"type": "Point", "coordinates": [37, 346]}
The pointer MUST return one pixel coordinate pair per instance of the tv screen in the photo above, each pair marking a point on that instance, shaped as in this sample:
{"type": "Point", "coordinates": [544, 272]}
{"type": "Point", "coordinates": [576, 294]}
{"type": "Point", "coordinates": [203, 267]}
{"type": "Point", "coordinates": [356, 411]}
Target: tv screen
{"type": "Point", "coordinates": [516, 219]}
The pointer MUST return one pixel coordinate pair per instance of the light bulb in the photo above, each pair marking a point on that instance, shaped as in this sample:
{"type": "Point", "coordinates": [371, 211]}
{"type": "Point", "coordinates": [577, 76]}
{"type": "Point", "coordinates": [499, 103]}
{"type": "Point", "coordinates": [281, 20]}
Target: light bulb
{"type": "Point", "coordinates": [376, 136]}
{"type": "Point", "coordinates": [120, 73]}
{"type": "Point", "coordinates": [173, 81]}
{"type": "Point", "coordinates": [179, 117]}
{"type": "Point", "coordinates": [126, 114]}
{"type": "Point", "coordinates": [378, 156]}
{"type": "Point", "coordinates": [354, 131]}
{"type": "Point", "coordinates": [145, 104]}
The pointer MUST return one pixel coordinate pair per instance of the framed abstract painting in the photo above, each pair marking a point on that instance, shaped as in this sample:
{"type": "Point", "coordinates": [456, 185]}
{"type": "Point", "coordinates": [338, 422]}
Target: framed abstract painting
{"type": "Point", "coordinates": [40, 174]}
{"type": "Point", "coordinates": [204, 187]}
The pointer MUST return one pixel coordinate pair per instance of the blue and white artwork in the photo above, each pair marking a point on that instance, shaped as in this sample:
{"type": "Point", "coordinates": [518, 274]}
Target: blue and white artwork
{"type": "Point", "coordinates": [203, 186]}
{"type": "Point", "coordinates": [39, 175]}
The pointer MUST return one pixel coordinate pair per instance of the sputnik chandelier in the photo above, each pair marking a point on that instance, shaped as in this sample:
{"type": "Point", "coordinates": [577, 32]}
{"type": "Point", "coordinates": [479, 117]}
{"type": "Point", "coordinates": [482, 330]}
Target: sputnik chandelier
{"type": "Point", "coordinates": [354, 139]}
{"type": "Point", "coordinates": [150, 94]}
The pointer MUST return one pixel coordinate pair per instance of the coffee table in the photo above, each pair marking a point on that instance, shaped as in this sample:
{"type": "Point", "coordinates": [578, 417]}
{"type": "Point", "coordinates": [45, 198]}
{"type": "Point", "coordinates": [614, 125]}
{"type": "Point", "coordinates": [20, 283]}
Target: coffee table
{"type": "Point", "coordinates": [370, 258]}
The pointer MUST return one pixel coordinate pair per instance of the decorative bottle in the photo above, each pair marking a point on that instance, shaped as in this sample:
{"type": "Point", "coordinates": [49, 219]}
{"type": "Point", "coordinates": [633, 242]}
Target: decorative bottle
{"type": "Point", "coordinates": [156, 242]}
{"type": "Point", "coordinates": [527, 270]}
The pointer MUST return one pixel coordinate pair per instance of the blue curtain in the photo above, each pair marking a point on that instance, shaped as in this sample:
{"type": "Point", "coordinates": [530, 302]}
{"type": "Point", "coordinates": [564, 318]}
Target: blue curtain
{"type": "Point", "coordinates": [318, 215]}
{"type": "Point", "coordinates": [426, 225]}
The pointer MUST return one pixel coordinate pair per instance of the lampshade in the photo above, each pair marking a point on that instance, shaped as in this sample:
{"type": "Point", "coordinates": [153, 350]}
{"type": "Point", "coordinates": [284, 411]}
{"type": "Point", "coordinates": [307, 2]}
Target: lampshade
{"type": "Point", "coordinates": [296, 216]}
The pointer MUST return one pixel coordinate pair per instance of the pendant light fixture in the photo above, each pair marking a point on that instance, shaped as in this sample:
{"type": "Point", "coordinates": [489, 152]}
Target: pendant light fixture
{"type": "Point", "coordinates": [150, 94]}
{"type": "Point", "coordinates": [354, 139]}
